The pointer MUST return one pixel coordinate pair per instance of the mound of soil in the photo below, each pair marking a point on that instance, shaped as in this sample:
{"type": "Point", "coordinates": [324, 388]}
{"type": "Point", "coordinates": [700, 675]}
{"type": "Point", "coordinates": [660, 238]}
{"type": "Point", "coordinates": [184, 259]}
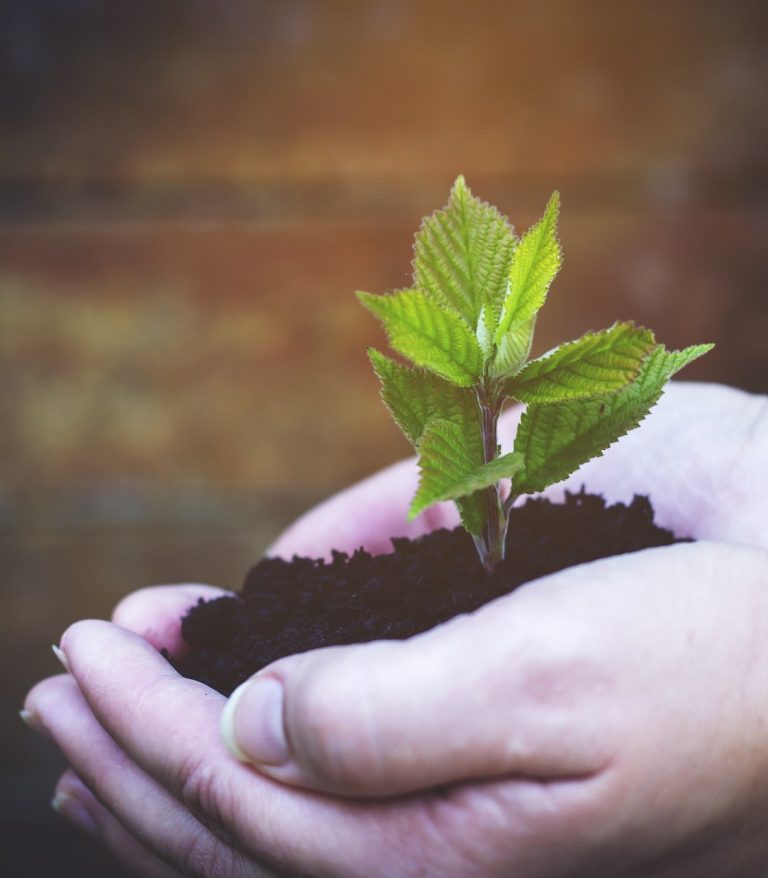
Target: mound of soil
{"type": "Point", "coordinates": [293, 606]}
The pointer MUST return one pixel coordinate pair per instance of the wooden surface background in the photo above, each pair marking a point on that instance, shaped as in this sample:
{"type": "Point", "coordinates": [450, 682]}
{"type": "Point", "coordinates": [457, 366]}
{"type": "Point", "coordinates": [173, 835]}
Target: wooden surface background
{"type": "Point", "coordinates": [190, 192]}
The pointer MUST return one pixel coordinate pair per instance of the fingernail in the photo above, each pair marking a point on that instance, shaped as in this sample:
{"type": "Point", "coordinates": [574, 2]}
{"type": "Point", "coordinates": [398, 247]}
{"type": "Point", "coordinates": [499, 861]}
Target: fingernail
{"type": "Point", "coordinates": [32, 719]}
{"type": "Point", "coordinates": [59, 653]}
{"type": "Point", "coordinates": [73, 810]}
{"type": "Point", "coordinates": [252, 725]}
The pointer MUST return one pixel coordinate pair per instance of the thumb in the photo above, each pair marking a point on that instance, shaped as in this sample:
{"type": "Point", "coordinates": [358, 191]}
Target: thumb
{"type": "Point", "coordinates": [494, 693]}
{"type": "Point", "coordinates": [544, 684]}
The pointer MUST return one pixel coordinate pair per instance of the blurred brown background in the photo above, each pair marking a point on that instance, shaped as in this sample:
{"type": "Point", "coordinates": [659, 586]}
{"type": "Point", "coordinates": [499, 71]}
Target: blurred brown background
{"type": "Point", "coordinates": [190, 192]}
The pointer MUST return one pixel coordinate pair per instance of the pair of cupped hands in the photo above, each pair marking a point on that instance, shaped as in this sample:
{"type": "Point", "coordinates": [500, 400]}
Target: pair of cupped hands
{"type": "Point", "coordinates": [607, 720]}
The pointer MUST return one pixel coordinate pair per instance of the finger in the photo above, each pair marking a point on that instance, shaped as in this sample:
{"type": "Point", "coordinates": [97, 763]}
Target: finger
{"type": "Point", "coordinates": [146, 810]}
{"type": "Point", "coordinates": [77, 804]}
{"type": "Point", "coordinates": [155, 613]}
{"type": "Point", "coordinates": [698, 455]}
{"type": "Point", "coordinates": [480, 697]}
{"type": "Point", "coordinates": [169, 727]}
{"type": "Point", "coordinates": [365, 515]}
{"type": "Point", "coordinates": [370, 513]}
{"type": "Point", "coordinates": [526, 687]}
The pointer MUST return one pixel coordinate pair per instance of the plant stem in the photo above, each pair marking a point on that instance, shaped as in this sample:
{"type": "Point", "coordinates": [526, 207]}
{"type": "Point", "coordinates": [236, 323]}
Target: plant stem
{"type": "Point", "coordinates": [492, 543]}
{"type": "Point", "coordinates": [509, 503]}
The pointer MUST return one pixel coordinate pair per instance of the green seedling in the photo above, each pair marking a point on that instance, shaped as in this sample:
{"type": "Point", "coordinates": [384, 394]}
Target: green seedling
{"type": "Point", "coordinates": [467, 326]}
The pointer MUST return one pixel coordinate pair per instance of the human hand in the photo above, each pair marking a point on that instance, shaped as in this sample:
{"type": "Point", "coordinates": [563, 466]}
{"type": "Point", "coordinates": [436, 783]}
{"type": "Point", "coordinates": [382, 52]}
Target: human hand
{"type": "Point", "coordinates": [569, 738]}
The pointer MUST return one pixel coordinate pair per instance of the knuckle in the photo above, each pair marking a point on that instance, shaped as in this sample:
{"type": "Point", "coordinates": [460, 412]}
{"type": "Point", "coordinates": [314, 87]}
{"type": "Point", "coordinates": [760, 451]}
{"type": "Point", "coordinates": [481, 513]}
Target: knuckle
{"type": "Point", "coordinates": [202, 789]}
{"type": "Point", "coordinates": [560, 667]}
{"type": "Point", "coordinates": [201, 855]}
{"type": "Point", "coordinates": [211, 798]}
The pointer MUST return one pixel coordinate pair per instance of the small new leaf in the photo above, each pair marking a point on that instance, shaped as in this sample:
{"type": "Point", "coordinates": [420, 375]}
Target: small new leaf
{"type": "Point", "coordinates": [449, 469]}
{"type": "Point", "coordinates": [555, 440]}
{"type": "Point", "coordinates": [462, 255]}
{"type": "Point", "coordinates": [514, 348]}
{"type": "Point", "coordinates": [535, 263]}
{"type": "Point", "coordinates": [428, 334]}
{"type": "Point", "coordinates": [484, 332]}
{"type": "Point", "coordinates": [596, 364]}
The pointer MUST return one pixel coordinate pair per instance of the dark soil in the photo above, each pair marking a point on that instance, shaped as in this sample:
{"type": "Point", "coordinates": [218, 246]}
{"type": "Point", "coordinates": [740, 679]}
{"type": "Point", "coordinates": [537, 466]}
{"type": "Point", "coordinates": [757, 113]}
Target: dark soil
{"type": "Point", "coordinates": [292, 606]}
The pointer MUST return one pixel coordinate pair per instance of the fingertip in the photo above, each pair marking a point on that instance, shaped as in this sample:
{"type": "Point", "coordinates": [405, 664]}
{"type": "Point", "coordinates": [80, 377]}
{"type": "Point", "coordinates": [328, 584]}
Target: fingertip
{"type": "Point", "coordinates": [155, 612]}
{"type": "Point", "coordinates": [40, 697]}
{"type": "Point", "coordinates": [93, 643]}
{"type": "Point", "coordinates": [71, 638]}
{"type": "Point", "coordinates": [29, 713]}
{"type": "Point", "coordinates": [73, 801]}
{"type": "Point", "coordinates": [73, 635]}
{"type": "Point", "coordinates": [365, 514]}
{"type": "Point", "coordinates": [142, 606]}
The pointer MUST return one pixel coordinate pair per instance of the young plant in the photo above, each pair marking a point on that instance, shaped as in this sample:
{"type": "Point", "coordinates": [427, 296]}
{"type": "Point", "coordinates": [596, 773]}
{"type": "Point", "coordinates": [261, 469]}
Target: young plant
{"type": "Point", "coordinates": [467, 325]}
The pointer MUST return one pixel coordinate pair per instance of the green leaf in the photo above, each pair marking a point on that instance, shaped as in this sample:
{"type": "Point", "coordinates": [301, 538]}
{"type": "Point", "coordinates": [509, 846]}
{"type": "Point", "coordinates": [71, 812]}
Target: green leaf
{"type": "Point", "coordinates": [484, 332]}
{"type": "Point", "coordinates": [596, 364]}
{"type": "Point", "coordinates": [449, 470]}
{"type": "Point", "coordinates": [462, 255]}
{"type": "Point", "coordinates": [415, 396]}
{"type": "Point", "coordinates": [428, 334]}
{"type": "Point", "coordinates": [535, 263]}
{"type": "Point", "coordinates": [555, 440]}
{"type": "Point", "coordinates": [514, 348]}
{"type": "Point", "coordinates": [473, 512]}
{"type": "Point", "coordinates": [676, 360]}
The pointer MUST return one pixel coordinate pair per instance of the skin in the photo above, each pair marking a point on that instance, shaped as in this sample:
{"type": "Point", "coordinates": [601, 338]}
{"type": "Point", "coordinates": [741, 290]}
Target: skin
{"type": "Point", "coordinates": [608, 720]}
